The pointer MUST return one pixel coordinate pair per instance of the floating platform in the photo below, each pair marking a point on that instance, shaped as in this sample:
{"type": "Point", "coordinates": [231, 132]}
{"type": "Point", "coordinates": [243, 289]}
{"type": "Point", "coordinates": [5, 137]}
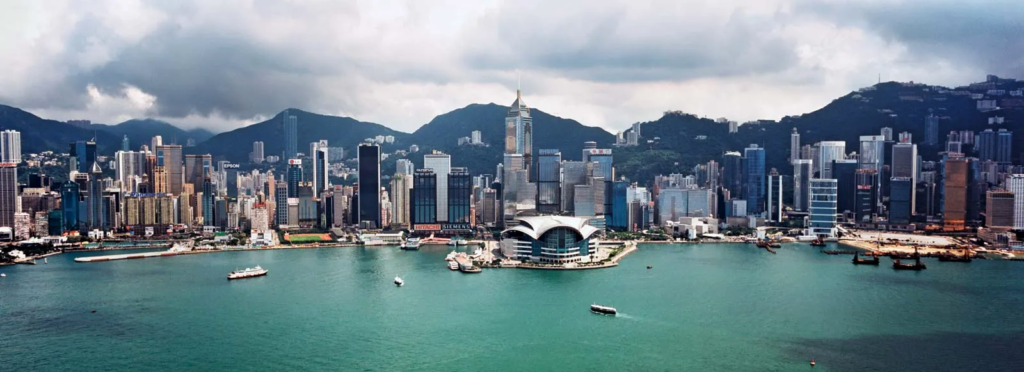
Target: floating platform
{"type": "Point", "coordinates": [131, 256]}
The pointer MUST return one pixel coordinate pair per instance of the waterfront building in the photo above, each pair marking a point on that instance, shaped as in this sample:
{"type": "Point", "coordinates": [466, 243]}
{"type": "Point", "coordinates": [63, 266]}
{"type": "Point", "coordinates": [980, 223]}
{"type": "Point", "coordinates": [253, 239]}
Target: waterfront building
{"type": "Point", "coordinates": [488, 207]}
{"type": "Point", "coordinates": [823, 208]}
{"type": "Point", "coordinates": [550, 240]}
{"type": "Point", "coordinates": [369, 185]}
{"type": "Point", "coordinates": [845, 172]}
{"type": "Point", "coordinates": [70, 195]}
{"type": "Point", "coordinates": [441, 164]}
{"type": "Point", "coordinates": [617, 218]}
{"type": "Point", "coordinates": [8, 193]}
{"type": "Point", "coordinates": [401, 188]}
{"type": "Point", "coordinates": [774, 196]}
{"type": "Point", "coordinates": [308, 212]}
{"type": "Point", "coordinates": [1015, 184]}
{"type": "Point", "coordinates": [424, 198]}
{"type": "Point", "coordinates": [828, 151]}
{"type": "Point", "coordinates": [955, 194]}
{"type": "Point", "coordinates": [290, 126]}
{"type": "Point", "coordinates": [208, 198]}
{"type": "Point", "coordinates": [999, 209]}
{"type": "Point", "coordinates": [460, 191]}
{"type": "Point", "coordinates": [865, 194]}
{"type": "Point", "coordinates": [754, 179]}
{"type": "Point", "coordinates": [281, 203]}
{"type": "Point", "coordinates": [677, 202]}
{"type": "Point", "coordinates": [905, 165]}
{"type": "Point", "coordinates": [794, 145]}
{"type": "Point", "coordinates": [519, 131]}
{"type": "Point", "coordinates": [549, 171]}
{"type": "Point", "coordinates": [802, 174]}
{"type": "Point", "coordinates": [10, 146]}
{"type": "Point", "coordinates": [901, 196]}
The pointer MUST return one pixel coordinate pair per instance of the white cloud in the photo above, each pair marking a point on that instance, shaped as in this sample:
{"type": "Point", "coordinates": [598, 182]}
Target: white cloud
{"type": "Point", "coordinates": [224, 64]}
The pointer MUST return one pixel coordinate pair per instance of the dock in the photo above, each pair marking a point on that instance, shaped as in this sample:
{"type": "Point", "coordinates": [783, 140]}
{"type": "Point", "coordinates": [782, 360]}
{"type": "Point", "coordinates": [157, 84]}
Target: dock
{"type": "Point", "coordinates": [130, 256]}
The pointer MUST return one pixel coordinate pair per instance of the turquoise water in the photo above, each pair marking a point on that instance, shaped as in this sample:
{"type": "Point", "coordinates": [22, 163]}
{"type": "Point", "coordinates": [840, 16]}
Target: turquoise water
{"type": "Point", "coordinates": [714, 307]}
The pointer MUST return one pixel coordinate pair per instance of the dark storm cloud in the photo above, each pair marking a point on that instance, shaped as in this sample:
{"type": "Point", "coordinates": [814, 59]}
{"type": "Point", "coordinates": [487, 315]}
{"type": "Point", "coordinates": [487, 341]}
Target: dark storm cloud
{"type": "Point", "coordinates": [984, 35]}
{"type": "Point", "coordinates": [606, 43]}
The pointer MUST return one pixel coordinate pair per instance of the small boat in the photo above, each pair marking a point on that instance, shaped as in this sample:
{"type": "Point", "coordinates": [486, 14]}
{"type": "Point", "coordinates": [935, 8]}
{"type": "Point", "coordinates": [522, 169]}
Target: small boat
{"type": "Point", "coordinates": [603, 309]}
{"type": "Point", "coordinates": [648, 267]}
{"type": "Point", "coordinates": [954, 258]}
{"type": "Point", "coordinates": [250, 272]}
{"type": "Point", "coordinates": [451, 256]}
{"type": "Point", "coordinates": [453, 266]}
{"type": "Point", "coordinates": [818, 243]}
{"type": "Point", "coordinates": [861, 261]}
{"type": "Point", "coordinates": [916, 266]}
{"type": "Point", "coordinates": [399, 282]}
{"type": "Point", "coordinates": [813, 363]}
{"type": "Point", "coordinates": [456, 241]}
{"type": "Point", "coordinates": [45, 261]}
{"type": "Point", "coordinates": [3, 275]}
{"type": "Point", "coordinates": [411, 244]}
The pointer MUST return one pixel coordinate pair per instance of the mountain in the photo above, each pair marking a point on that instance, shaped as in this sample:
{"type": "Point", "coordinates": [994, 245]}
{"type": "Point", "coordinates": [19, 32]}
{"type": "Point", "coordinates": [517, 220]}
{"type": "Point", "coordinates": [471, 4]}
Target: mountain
{"type": "Point", "coordinates": [38, 135]}
{"type": "Point", "coordinates": [345, 132]}
{"type": "Point", "coordinates": [142, 131]}
{"type": "Point", "coordinates": [549, 132]}
{"type": "Point", "coordinates": [900, 106]}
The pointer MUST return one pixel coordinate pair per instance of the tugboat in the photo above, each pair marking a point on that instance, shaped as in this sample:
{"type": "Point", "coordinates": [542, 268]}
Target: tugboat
{"type": "Point", "coordinates": [818, 243]}
{"type": "Point", "coordinates": [608, 310]}
{"type": "Point", "coordinates": [916, 266]}
{"type": "Point", "coordinates": [250, 272]}
{"type": "Point", "coordinates": [860, 261]}
{"type": "Point", "coordinates": [399, 282]}
{"type": "Point", "coordinates": [411, 244]}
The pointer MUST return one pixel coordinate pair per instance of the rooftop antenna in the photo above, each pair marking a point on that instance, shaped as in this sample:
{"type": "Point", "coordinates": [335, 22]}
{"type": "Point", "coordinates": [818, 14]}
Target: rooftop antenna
{"type": "Point", "coordinates": [519, 80]}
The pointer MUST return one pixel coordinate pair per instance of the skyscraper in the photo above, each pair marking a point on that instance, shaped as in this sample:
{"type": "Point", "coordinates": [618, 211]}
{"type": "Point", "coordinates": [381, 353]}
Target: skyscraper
{"type": "Point", "coordinates": [603, 157]}
{"type": "Point", "coordinates": [320, 166]}
{"type": "Point", "coordinates": [827, 152]}
{"type": "Point", "coordinates": [441, 164]}
{"type": "Point", "coordinates": [904, 165]}
{"type": "Point", "coordinates": [424, 198]}
{"type": "Point", "coordinates": [401, 187]}
{"type": "Point", "coordinates": [294, 177]}
{"type": "Point", "coordinates": [290, 126]}
{"type": "Point", "coordinates": [774, 196]}
{"type": "Point", "coordinates": [125, 145]}
{"type": "Point", "coordinates": [369, 185]}
{"type": "Point", "coordinates": [573, 173]}
{"type": "Point", "coordinates": [986, 145]}
{"type": "Point", "coordinates": [257, 152]}
{"type": "Point", "coordinates": [1015, 184]}
{"type": "Point", "coordinates": [999, 213]}
{"type": "Point", "coordinates": [901, 196]}
{"type": "Point", "coordinates": [549, 171]}
{"type": "Point", "coordinates": [1004, 148]}
{"type": "Point", "coordinates": [823, 208]}
{"type": "Point", "coordinates": [794, 146]}
{"type": "Point", "coordinates": [955, 194]}
{"type": "Point", "coordinates": [802, 174]}
{"type": "Point", "coordinates": [865, 194]}
{"type": "Point", "coordinates": [281, 203]}
{"type": "Point", "coordinates": [404, 166]}
{"type": "Point", "coordinates": [519, 131]}
{"type": "Point", "coordinates": [208, 199]}
{"type": "Point", "coordinates": [754, 179]}
{"type": "Point", "coordinates": [169, 157]}
{"type": "Point", "coordinates": [8, 193]}
{"type": "Point", "coordinates": [931, 130]}
{"type": "Point", "coordinates": [156, 142]}
{"type": "Point", "coordinates": [96, 206]}
{"type": "Point", "coordinates": [732, 174]}
{"type": "Point", "coordinates": [460, 190]}
{"type": "Point", "coordinates": [10, 146]}
{"type": "Point", "coordinates": [82, 155]}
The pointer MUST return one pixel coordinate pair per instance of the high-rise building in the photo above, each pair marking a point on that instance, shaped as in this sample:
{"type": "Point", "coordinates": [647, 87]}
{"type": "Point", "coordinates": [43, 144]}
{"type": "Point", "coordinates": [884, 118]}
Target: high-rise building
{"type": "Point", "coordinates": [369, 185]}
{"type": "Point", "coordinates": [573, 173]}
{"type": "Point", "coordinates": [794, 145]}
{"type": "Point", "coordinates": [549, 171]}
{"type": "Point", "coordinates": [774, 196]}
{"type": "Point", "coordinates": [829, 151]}
{"type": "Point", "coordinates": [802, 174]}
{"type": "Point", "coordinates": [169, 157]}
{"type": "Point", "coordinates": [476, 137]}
{"type": "Point", "coordinates": [294, 177]}
{"type": "Point", "coordinates": [8, 194]}
{"type": "Point", "coordinates": [10, 146]}
{"type": "Point", "coordinates": [1004, 148]}
{"type": "Point", "coordinates": [130, 164]}
{"type": "Point", "coordinates": [931, 130]}
{"type": "Point", "coordinates": [955, 194]}
{"type": "Point", "coordinates": [257, 152]}
{"type": "Point", "coordinates": [904, 165]}
{"type": "Point", "coordinates": [401, 187]}
{"type": "Point", "coordinates": [96, 207]}
{"type": "Point", "coordinates": [603, 158]}
{"type": "Point", "coordinates": [321, 167]}
{"type": "Point", "coordinates": [986, 145]}
{"type": "Point", "coordinates": [519, 131]}
{"type": "Point", "coordinates": [999, 212]}
{"type": "Point", "coordinates": [887, 134]}
{"type": "Point", "coordinates": [460, 191]}
{"type": "Point", "coordinates": [156, 142]}
{"type": "Point", "coordinates": [617, 218]}
{"type": "Point", "coordinates": [209, 197]}
{"type": "Point", "coordinates": [865, 194]}
{"type": "Point", "coordinates": [424, 198]}
{"type": "Point", "coordinates": [125, 145]}
{"type": "Point", "coordinates": [82, 155]}
{"type": "Point", "coordinates": [754, 179]}
{"type": "Point", "coordinates": [198, 167]}
{"type": "Point", "coordinates": [441, 164]}
{"type": "Point", "coordinates": [901, 196]}
{"type": "Point", "coordinates": [732, 174]}
{"type": "Point", "coordinates": [823, 208]}
{"type": "Point", "coordinates": [404, 166]}
{"type": "Point", "coordinates": [290, 126]}
{"type": "Point", "coordinates": [845, 173]}
{"type": "Point", "coordinates": [872, 152]}
{"type": "Point", "coordinates": [281, 203]}
{"type": "Point", "coordinates": [1015, 184]}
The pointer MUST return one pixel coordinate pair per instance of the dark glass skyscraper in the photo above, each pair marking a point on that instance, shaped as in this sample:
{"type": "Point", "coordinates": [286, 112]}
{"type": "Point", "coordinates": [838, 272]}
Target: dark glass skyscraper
{"type": "Point", "coordinates": [423, 197]}
{"type": "Point", "coordinates": [290, 126]}
{"type": "Point", "coordinates": [732, 174]}
{"type": "Point", "coordinates": [754, 179]}
{"type": "Point", "coordinates": [8, 193]}
{"type": "Point", "coordinates": [369, 184]}
{"type": "Point", "coordinates": [209, 196]}
{"type": "Point", "coordinates": [460, 189]}
{"type": "Point", "coordinates": [294, 177]}
{"type": "Point", "coordinates": [70, 193]}
{"type": "Point", "coordinates": [82, 155]}
{"type": "Point", "coordinates": [901, 192]}
{"type": "Point", "coordinates": [618, 218]}
{"type": "Point", "coordinates": [549, 166]}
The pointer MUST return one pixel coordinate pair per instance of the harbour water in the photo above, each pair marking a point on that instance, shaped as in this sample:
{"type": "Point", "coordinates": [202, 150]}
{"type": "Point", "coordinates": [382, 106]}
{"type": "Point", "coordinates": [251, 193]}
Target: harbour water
{"type": "Point", "coordinates": [720, 307]}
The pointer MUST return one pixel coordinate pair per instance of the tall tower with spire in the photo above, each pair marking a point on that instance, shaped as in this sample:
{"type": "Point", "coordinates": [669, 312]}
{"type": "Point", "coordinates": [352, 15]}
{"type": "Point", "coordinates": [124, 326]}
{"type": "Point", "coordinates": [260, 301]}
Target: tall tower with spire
{"type": "Point", "coordinates": [519, 130]}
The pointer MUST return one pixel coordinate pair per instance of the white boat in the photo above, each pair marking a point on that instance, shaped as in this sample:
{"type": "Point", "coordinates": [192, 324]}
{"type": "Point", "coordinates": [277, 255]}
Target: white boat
{"type": "Point", "coordinates": [453, 266]}
{"type": "Point", "coordinates": [3, 275]}
{"type": "Point", "coordinates": [451, 256]}
{"type": "Point", "coordinates": [453, 242]}
{"type": "Point", "coordinates": [250, 272]}
{"type": "Point", "coordinates": [399, 282]}
{"type": "Point", "coordinates": [411, 244]}
{"type": "Point", "coordinates": [603, 309]}
{"type": "Point", "coordinates": [45, 261]}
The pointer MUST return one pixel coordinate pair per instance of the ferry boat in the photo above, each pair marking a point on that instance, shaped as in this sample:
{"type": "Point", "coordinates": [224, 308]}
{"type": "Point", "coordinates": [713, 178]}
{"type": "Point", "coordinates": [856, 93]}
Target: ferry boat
{"type": "Point", "coordinates": [251, 272]}
{"type": "Point", "coordinates": [453, 266]}
{"type": "Point", "coordinates": [411, 244]}
{"type": "Point", "coordinates": [399, 282]}
{"type": "Point", "coordinates": [603, 309]}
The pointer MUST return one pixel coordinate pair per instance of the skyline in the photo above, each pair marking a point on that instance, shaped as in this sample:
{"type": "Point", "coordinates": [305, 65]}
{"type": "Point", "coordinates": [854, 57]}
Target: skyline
{"type": "Point", "coordinates": [399, 65]}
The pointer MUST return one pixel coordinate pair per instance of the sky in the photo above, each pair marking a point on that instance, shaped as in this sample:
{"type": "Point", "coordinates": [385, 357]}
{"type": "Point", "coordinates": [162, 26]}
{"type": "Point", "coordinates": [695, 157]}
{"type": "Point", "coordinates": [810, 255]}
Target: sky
{"type": "Point", "coordinates": [225, 64]}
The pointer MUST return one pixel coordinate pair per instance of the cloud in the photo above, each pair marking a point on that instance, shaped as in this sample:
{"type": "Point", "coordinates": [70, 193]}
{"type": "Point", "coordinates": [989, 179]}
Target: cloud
{"type": "Point", "coordinates": [225, 64]}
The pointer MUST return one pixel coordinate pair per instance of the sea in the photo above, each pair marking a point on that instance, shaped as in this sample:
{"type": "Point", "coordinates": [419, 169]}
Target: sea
{"type": "Point", "coordinates": [700, 307]}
